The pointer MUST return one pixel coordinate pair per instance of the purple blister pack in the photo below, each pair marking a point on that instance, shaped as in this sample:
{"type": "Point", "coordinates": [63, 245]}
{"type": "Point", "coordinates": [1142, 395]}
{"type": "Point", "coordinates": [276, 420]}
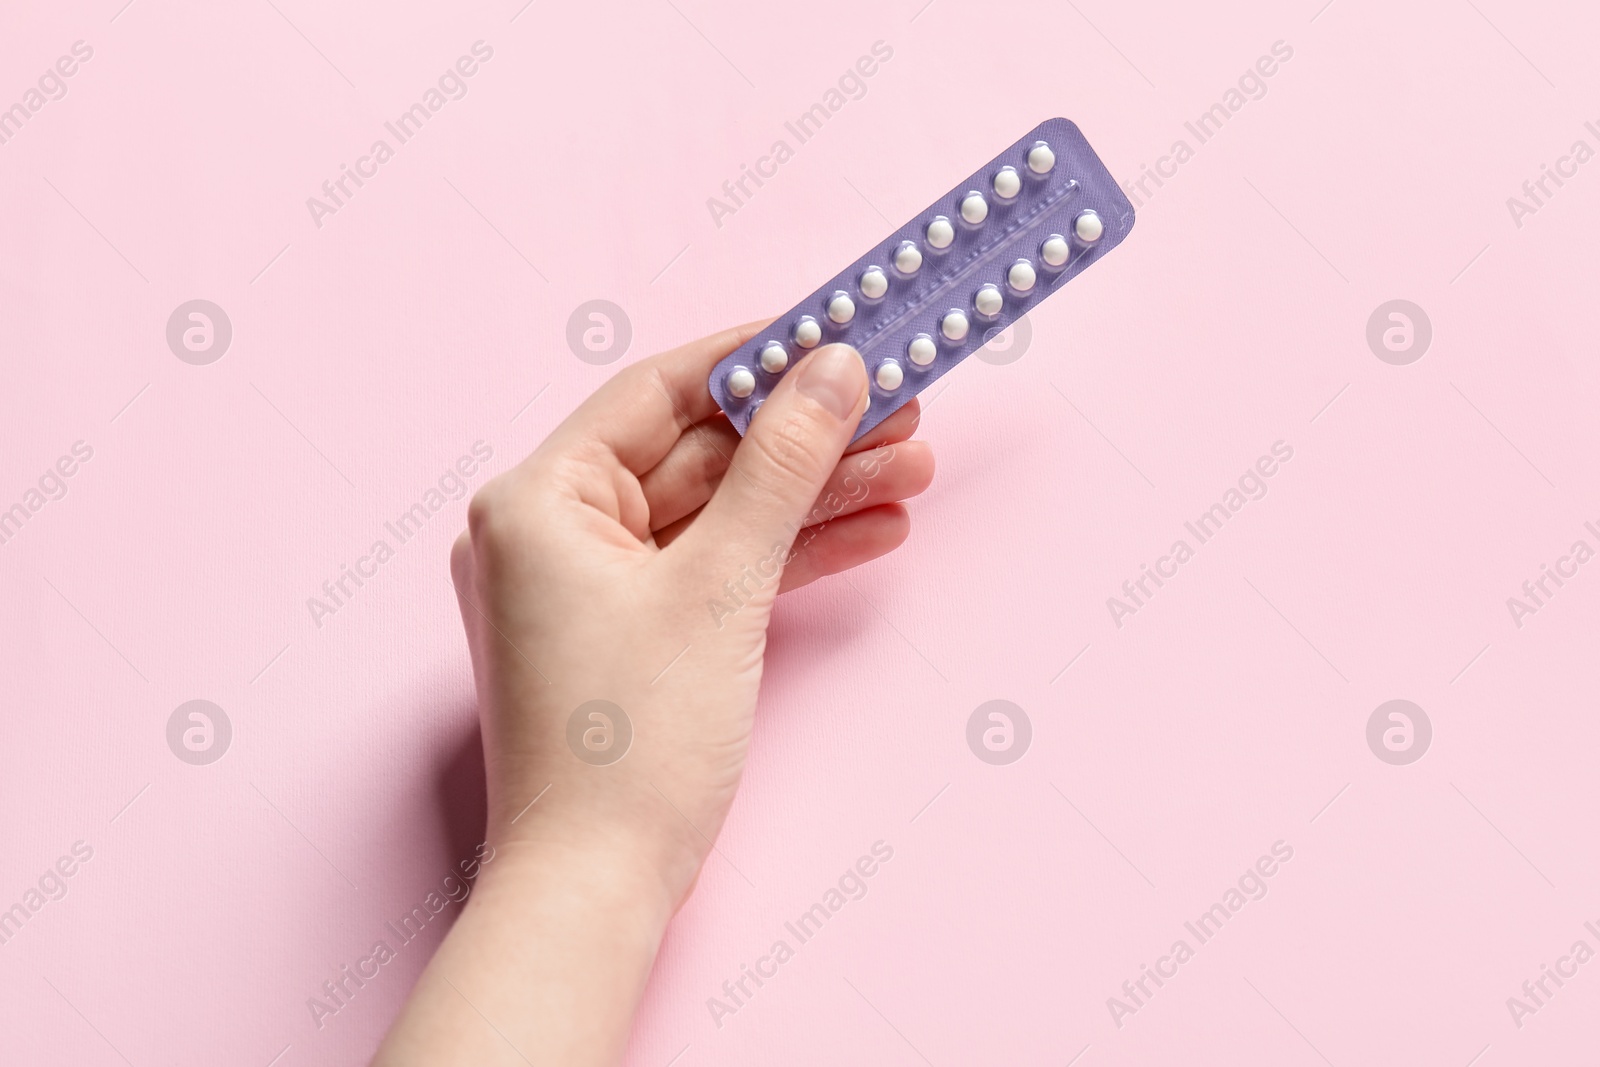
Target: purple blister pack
{"type": "Point", "coordinates": [940, 287]}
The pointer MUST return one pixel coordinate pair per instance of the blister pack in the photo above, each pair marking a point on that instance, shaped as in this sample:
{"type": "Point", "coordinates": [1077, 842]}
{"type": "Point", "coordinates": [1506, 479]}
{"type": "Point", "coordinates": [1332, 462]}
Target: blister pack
{"type": "Point", "coordinates": [936, 290]}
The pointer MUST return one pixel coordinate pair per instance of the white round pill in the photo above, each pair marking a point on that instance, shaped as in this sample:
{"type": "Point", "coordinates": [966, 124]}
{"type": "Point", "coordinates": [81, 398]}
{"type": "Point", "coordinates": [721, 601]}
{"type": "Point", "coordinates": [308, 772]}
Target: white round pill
{"type": "Point", "coordinates": [1007, 183]}
{"type": "Point", "coordinates": [907, 258]}
{"type": "Point", "coordinates": [1055, 250]}
{"type": "Point", "coordinates": [940, 232]}
{"type": "Point", "coordinates": [807, 332]}
{"type": "Point", "coordinates": [974, 208]}
{"type": "Point", "coordinates": [774, 357]}
{"type": "Point", "coordinates": [954, 325]}
{"type": "Point", "coordinates": [889, 376]}
{"type": "Point", "coordinates": [988, 300]}
{"type": "Point", "coordinates": [841, 308]}
{"type": "Point", "coordinates": [1021, 276]}
{"type": "Point", "coordinates": [921, 350]}
{"type": "Point", "coordinates": [741, 383]}
{"type": "Point", "coordinates": [1041, 159]}
{"type": "Point", "coordinates": [874, 283]}
{"type": "Point", "coordinates": [1088, 227]}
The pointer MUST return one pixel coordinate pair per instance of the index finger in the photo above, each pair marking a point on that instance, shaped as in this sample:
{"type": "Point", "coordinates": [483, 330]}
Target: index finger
{"type": "Point", "coordinates": [641, 412]}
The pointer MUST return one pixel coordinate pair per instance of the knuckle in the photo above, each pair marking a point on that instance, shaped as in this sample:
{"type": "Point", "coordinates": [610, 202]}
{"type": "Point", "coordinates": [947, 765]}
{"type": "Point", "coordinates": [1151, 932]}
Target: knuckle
{"type": "Point", "coordinates": [461, 561]}
{"type": "Point", "coordinates": [492, 520]}
{"type": "Point", "coordinates": [481, 513]}
{"type": "Point", "coordinates": [786, 453]}
{"type": "Point", "coordinates": [713, 463]}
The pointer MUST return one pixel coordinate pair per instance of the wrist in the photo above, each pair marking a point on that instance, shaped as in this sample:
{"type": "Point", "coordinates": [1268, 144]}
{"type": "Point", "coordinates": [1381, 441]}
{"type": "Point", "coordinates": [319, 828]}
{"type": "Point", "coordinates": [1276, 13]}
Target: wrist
{"type": "Point", "coordinates": [625, 846]}
{"type": "Point", "coordinates": [576, 886]}
{"type": "Point", "coordinates": [553, 951]}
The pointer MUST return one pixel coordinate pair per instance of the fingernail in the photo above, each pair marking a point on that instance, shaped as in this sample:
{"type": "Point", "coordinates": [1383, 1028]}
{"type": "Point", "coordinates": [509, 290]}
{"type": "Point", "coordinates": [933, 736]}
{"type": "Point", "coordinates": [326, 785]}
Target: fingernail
{"type": "Point", "coordinates": [834, 377]}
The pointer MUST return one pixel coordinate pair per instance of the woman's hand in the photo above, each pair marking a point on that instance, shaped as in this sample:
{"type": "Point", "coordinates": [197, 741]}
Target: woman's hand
{"type": "Point", "coordinates": [616, 588]}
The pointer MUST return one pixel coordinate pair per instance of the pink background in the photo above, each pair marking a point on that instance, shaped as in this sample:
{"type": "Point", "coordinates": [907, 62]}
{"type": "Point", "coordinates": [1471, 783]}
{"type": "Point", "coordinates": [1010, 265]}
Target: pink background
{"type": "Point", "coordinates": [1225, 716]}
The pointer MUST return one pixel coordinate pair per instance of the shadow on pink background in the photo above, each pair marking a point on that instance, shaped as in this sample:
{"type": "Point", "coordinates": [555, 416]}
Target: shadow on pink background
{"type": "Point", "coordinates": [1172, 748]}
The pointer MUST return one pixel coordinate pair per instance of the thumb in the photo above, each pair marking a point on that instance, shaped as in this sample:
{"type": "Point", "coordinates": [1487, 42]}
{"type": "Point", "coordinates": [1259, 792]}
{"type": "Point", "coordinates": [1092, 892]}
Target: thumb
{"type": "Point", "coordinates": [790, 449]}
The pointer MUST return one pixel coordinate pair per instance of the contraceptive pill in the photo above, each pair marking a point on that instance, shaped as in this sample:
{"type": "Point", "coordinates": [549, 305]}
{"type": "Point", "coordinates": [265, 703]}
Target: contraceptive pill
{"type": "Point", "coordinates": [774, 358]}
{"type": "Point", "coordinates": [841, 309]}
{"type": "Point", "coordinates": [908, 258]}
{"type": "Point", "coordinates": [1025, 224]}
{"type": "Point", "coordinates": [1022, 276]}
{"type": "Point", "coordinates": [1088, 227]}
{"type": "Point", "coordinates": [874, 283]}
{"type": "Point", "coordinates": [1055, 250]}
{"type": "Point", "coordinates": [1007, 183]}
{"type": "Point", "coordinates": [954, 325]}
{"type": "Point", "coordinates": [807, 332]}
{"type": "Point", "coordinates": [741, 382]}
{"type": "Point", "coordinates": [988, 300]}
{"type": "Point", "coordinates": [889, 376]}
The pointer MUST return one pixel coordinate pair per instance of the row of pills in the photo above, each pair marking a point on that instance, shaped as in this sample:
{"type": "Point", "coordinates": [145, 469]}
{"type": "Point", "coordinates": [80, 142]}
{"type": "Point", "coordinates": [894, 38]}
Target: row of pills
{"type": "Point", "coordinates": [874, 283]}
{"type": "Point", "coordinates": [954, 326]}
{"type": "Point", "coordinates": [925, 297]}
{"type": "Point", "coordinates": [1007, 183]}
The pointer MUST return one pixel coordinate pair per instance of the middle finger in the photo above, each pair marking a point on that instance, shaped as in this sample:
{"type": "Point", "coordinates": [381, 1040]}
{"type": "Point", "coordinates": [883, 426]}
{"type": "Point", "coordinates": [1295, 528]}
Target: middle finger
{"type": "Point", "coordinates": [691, 470]}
